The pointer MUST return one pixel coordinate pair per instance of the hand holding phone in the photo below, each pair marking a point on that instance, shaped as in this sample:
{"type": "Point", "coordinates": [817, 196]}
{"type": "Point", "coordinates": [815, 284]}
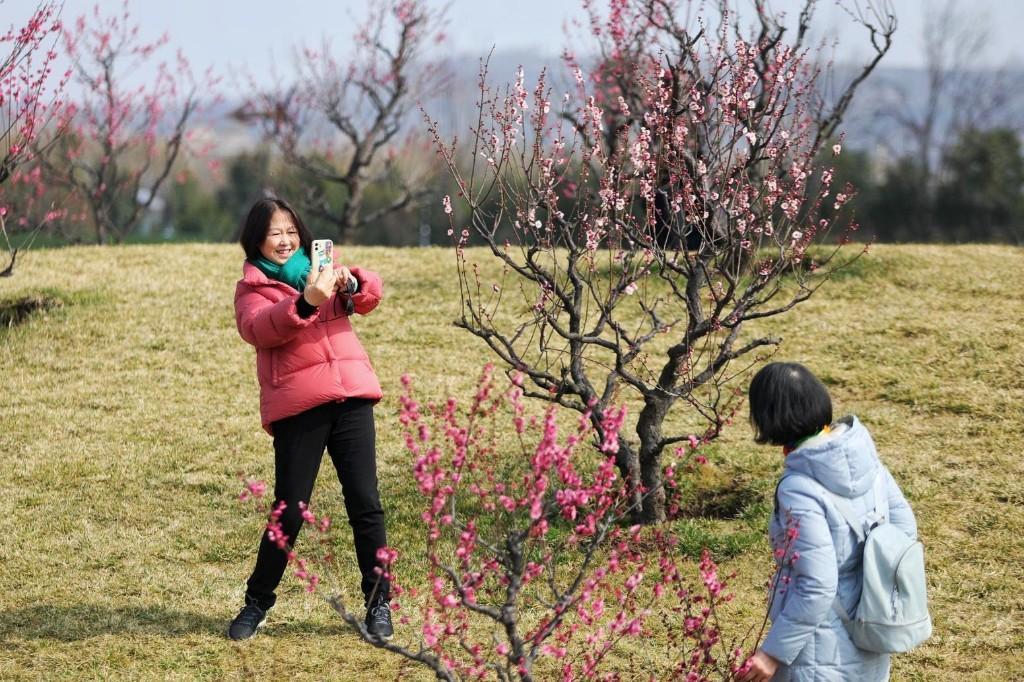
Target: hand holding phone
{"type": "Point", "coordinates": [322, 279]}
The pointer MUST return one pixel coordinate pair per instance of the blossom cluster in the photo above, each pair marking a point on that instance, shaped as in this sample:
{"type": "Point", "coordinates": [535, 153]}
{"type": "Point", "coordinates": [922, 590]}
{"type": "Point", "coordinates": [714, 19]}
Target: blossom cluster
{"type": "Point", "coordinates": [531, 565]}
{"type": "Point", "coordinates": [505, 508]}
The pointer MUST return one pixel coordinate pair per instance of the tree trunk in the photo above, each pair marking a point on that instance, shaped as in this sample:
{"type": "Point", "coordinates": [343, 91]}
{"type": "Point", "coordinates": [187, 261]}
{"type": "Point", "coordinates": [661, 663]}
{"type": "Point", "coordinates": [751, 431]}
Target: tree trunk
{"type": "Point", "coordinates": [654, 503]}
{"type": "Point", "coordinates": [648, 427]}
{"type": "Point", "coordinates": [349, 214]}
{"type": "Point", "coordinates": [101, 225]}
{"type": "Point", "coordinates": [9, 270]}
{"type": "Point", "coordinates": [628, 461]}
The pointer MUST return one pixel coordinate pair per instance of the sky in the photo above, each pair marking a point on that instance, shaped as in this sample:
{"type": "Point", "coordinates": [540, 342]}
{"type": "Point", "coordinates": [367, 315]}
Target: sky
{"type": "Point", "coordinates": [255, 35]}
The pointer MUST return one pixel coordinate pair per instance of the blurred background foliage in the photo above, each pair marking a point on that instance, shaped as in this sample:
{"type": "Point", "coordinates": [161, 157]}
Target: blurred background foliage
{"type": "Point", "coordinates": [979, 197]}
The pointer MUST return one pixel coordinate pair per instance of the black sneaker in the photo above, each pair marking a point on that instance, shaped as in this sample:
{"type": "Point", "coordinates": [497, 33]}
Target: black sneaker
{"type": "Point", "coordinates": [378, 619]}
{"type": "Point", "coordinates": [248, 620]}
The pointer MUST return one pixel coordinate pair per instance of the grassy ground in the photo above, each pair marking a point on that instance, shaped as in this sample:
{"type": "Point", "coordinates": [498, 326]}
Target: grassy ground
{"type": "Point", "coordinates": [127, 409]}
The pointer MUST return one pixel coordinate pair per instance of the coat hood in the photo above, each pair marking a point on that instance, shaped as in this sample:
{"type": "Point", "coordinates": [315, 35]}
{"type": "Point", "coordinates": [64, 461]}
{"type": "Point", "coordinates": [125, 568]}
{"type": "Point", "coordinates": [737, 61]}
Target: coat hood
{"type": "Point", "coordinates": [846, 463]}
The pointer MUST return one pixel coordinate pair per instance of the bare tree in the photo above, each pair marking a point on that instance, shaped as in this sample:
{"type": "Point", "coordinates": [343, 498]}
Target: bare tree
{"type": "Point", "coordinates": [340, 123]}
{"type": "Point", "coordinates": [641, 221]}
{"type": "Point", "coordinates": [962, 92]}
{"type": "Point", "coordinates": [124, 139]}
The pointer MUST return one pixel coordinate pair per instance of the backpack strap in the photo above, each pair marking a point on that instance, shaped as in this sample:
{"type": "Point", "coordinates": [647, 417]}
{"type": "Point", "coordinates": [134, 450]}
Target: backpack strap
{"type": "Point", "coordinates": [845, 508]}
{"type": "Point", "coordinates": [775, 497]}
{"type": "Point", "coordinates": [837, 607]}
{"type": "Point", "coordinates": [880, 514]}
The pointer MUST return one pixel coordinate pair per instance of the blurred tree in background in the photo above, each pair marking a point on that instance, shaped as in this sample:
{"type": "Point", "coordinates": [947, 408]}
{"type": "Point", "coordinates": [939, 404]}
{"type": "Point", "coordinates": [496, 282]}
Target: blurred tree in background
{"type": "Point", "coordinates": [343, 124]}
{"type": "Point", "coordinates": [980, 198]}
{"type": "Point", "coordinates": [126, 138]}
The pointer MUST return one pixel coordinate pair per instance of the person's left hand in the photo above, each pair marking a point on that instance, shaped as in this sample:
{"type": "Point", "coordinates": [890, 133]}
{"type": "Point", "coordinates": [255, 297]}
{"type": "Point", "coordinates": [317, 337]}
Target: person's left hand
{"type": "Point", "coordinates": [762, 668]}
{"type": "Point", "coordinates": [343, 279]}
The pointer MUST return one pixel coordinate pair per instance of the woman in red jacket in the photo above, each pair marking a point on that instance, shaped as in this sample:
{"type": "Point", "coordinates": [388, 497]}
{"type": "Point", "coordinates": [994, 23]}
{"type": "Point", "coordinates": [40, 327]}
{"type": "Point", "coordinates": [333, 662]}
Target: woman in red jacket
{"type": "Point", "coordinates": [317, 390]}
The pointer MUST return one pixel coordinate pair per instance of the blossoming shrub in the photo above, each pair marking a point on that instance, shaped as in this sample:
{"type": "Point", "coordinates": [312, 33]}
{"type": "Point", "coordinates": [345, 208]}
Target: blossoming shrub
{"type": "Point", "coordinates": [531, 569]}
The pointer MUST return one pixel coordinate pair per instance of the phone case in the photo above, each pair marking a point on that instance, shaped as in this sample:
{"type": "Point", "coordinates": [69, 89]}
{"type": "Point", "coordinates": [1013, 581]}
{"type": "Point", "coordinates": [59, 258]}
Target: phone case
{"type": "Point", "coordinates": [323, 254]}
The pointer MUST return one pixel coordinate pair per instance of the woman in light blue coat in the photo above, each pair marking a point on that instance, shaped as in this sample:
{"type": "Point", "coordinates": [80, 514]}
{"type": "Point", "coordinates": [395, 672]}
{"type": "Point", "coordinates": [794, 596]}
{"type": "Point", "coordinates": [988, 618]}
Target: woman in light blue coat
{"type": "Point", "coordinates": [818, 553]}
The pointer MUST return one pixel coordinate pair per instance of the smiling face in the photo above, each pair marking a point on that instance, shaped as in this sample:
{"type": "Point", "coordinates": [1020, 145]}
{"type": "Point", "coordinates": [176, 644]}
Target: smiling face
{"type": "Point", "coordinates": [282, 240]}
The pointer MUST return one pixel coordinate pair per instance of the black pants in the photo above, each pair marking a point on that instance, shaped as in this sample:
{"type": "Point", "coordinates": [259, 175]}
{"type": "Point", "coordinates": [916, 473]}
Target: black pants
{"type": "Point", "coordinates": [347, 431]}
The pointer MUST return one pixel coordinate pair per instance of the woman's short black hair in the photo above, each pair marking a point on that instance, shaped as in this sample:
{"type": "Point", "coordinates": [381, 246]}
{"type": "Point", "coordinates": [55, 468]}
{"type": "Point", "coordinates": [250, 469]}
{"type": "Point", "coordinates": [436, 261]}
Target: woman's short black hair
{"type": "Point", "coordinates": [254, 230]}
{"type": "Point", "coordinates": [787, 403]}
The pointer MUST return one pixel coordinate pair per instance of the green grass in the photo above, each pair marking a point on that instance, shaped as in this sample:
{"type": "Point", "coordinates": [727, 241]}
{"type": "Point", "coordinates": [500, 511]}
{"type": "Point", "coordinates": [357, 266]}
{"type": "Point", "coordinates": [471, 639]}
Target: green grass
{"type": "Point", "coordinates": [127, 410]}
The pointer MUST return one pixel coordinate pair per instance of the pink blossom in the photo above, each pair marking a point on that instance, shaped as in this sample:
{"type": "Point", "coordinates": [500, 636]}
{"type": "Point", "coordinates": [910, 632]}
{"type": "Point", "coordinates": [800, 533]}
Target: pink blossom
{"type": "Point", "coordinates": [386, 555]}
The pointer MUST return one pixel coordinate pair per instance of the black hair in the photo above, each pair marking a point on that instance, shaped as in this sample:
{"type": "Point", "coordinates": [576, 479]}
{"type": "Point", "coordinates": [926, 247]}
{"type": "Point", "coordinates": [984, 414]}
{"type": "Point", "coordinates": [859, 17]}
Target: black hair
{"type": "Point", "coordinates": [254, 230]}
{"type": "Point", "coordinates": [787, 403]}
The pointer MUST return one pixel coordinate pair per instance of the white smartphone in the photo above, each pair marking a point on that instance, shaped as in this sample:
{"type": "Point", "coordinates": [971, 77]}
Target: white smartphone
{"type": "Point", "coordinates": [323, 254]}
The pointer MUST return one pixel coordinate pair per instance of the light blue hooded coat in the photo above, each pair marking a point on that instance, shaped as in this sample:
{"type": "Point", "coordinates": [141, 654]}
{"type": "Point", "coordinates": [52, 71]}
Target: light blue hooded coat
{"type": "Point", "coordinates": [807, 636]}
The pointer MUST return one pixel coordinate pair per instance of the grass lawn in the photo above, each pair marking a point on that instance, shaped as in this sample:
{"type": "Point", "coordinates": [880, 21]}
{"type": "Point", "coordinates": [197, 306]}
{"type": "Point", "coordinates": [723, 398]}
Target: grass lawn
{"type": "Point", "coordinates": [127, 410]}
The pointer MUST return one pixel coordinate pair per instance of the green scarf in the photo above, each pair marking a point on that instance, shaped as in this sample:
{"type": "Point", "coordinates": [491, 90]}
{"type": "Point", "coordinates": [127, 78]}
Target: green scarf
{"type": "Point", "coordinates": [293, 272]}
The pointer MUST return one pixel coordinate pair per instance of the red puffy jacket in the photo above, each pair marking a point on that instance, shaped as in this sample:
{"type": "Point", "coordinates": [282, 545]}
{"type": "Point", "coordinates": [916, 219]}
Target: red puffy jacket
{"type": "Point", "coordinates": [302, 363]}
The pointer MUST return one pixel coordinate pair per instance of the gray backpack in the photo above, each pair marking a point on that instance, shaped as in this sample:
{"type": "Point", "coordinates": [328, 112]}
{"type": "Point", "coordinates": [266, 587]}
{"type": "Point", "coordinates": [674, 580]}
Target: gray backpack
{"type": "Point", "coordinates": [892, 615]}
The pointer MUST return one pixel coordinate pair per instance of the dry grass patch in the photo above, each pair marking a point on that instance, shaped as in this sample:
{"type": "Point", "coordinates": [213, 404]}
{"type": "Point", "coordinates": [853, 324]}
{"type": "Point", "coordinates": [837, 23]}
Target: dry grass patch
{"type": "Point", "coordinates": [127, 412]}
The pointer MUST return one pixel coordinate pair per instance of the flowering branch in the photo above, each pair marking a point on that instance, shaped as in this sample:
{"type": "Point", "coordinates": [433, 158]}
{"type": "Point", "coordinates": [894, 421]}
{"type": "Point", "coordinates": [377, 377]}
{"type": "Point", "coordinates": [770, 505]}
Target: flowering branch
{"type": "Point", "coordinates": [30, 101]}
{"type": "Point", "coordinates": [531, 572]}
